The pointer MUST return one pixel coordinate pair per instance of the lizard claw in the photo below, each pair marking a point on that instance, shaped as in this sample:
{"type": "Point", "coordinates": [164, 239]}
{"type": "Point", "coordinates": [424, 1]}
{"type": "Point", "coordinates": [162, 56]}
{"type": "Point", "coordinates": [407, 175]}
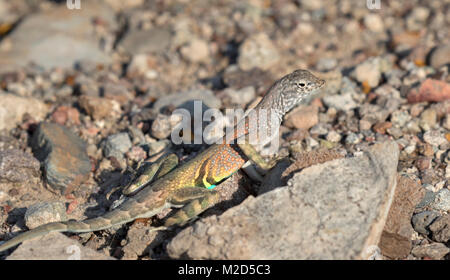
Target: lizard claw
{"type": "Point", "coordinates": [158, 228]}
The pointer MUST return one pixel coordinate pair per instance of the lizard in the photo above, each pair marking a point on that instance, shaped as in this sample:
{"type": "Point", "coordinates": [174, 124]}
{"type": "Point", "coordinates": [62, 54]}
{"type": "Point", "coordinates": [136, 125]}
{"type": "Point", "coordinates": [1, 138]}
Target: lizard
{"type": "Point", "coordinates": [190, 186]}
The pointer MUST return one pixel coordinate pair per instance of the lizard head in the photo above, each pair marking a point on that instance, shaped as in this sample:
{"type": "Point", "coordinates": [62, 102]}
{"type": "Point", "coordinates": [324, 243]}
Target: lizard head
{"type": "Point", "coordinates": [283, 95]}
{"type": "Point", "coordinates": [295, 87]}
{"type": "Point", "coordinates": [289, 91]}
{"type": "Point", "coordinates": [304, 82]}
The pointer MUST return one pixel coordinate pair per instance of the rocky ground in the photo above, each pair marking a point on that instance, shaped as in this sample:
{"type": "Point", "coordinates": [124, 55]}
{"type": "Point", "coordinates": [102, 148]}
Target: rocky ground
{"type": "Point", "coordinates": [86, 95]}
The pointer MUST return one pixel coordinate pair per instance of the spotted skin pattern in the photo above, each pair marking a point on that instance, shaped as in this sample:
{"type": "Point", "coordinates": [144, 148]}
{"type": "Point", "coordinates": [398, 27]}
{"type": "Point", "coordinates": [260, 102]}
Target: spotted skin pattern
{"type": "Point", "coordinates": [189, 186]}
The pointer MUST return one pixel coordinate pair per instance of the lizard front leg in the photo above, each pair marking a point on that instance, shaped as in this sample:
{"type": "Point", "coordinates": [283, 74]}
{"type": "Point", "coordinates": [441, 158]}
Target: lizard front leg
{"type": "Point", "coordinates": [194, 200]}
{"type": "Point", "coordinates": [160, 168]}
{"type": "Point", "coordinates": [154, 171]}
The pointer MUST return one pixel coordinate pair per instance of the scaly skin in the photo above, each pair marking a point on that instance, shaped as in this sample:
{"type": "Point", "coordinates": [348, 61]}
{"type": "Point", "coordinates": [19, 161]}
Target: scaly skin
{"type": "Point", "coordinates": [190, 185]}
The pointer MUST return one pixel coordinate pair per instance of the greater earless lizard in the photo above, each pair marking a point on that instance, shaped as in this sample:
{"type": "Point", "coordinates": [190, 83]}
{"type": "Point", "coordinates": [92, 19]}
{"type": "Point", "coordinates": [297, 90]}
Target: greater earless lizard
{"type": "Point", "coordinates": [190, 186]}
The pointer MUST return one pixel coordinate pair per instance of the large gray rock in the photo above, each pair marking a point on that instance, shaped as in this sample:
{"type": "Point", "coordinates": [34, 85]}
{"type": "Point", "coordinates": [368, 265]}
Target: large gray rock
{"type": "Point", "coordinates": [336, 210]}
{"type": "Point", "coordinates": [64, 155]}
{"type": "Point", "coordinates": [55, 246]}
{"type": "Point", "coordinates": [57, 37]}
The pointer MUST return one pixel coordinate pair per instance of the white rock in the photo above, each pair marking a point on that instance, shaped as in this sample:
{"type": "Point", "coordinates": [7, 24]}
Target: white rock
{"type": "Point", "coordinates": [258, 51]}
{"type": "Point", "coordinates": [12, 109]}
{"type": "Point", "coordinates": [442, 200]}
{"type": "Point", "coordinates": [196, 51]}
{"type": "Point", "coordinates": [45, 212]}
{"type": "Point", "coordinates": [333, 136]}
{"type": "Point", "coordinates": [374, 22]}
{"type": "Point", "coordinates": [369, 72]}
{"type": "Point", "coordinates": [434, 137]}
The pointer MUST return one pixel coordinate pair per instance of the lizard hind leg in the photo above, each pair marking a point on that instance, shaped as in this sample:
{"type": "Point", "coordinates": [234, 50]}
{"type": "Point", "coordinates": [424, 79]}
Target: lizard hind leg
{"type": "Point", "coordinates": [194, 200]}
{"type": "Point", "coordinates": [255, 157]}
{"type": "Point", "coordinates": [160, 168]}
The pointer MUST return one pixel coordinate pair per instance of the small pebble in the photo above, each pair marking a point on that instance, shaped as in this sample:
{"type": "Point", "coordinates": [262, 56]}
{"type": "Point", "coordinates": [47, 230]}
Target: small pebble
{"type": "Point", "coordinates": [374, 22]}
{"type": "Point", "coordinates": [117, 145]}
{"type": "Point", "coordinates": [196, 51]}
{"type": "Point", "coordinates": [422, 220]}
{"type": "Point", "coordinates": [442, 200]}
{"type": "Point", "coordinates": [434, 137]}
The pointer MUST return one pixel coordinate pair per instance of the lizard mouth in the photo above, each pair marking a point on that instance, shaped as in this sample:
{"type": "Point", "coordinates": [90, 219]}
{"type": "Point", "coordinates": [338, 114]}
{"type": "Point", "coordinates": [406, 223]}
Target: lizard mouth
{"type": "Point", "coordinates": [321, 83]}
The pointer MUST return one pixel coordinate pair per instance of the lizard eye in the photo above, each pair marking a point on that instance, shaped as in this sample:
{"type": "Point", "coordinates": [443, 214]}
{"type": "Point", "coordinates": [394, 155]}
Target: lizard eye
{"type": "Point", "coordinates": [301, 84]}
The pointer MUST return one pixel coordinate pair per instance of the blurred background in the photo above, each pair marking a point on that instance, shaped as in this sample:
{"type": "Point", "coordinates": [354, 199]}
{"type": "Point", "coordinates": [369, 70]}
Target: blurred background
{"type": "Point", "coordinates": [185, 42]}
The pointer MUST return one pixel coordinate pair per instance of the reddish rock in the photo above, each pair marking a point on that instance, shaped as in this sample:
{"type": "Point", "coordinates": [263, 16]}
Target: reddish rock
{"type": "Point", "coordinates": [395, 240]}
{"type": "Point", "coordinates": [64, 113]}
{"type": "Point", "coordinates": [430, 90]}
{"type": "Point", "coordinates": [302, 117]}
{"type": "Point", "coordinates": [317, 102]}
{"type": "Point", "coordinates": [59, 117]}
{"type": "Point", "coordinates": [72, 206]}
{"type": "Point", "coordinates": [381, 127]}
{"type": "Point", "coordinates": [90, 130]}
{"type": "Point", "coordinates": [423, 163]}
{"type": "Point", "coordinates": [136, 153]}
{"type": "Point", "coordinates": [73, 116]}
{"type": "Point", "coordinates": [99, 108]}
{"type": "Point", "coordinates": [119, 92]}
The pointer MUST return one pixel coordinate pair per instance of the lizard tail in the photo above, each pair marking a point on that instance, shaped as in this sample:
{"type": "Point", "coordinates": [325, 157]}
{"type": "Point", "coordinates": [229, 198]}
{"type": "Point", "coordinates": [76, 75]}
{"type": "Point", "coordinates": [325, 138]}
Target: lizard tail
{"type": "Point", "coordinates": [40, 230]}
{"type": "Point", "coordinates": [94, 224]}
